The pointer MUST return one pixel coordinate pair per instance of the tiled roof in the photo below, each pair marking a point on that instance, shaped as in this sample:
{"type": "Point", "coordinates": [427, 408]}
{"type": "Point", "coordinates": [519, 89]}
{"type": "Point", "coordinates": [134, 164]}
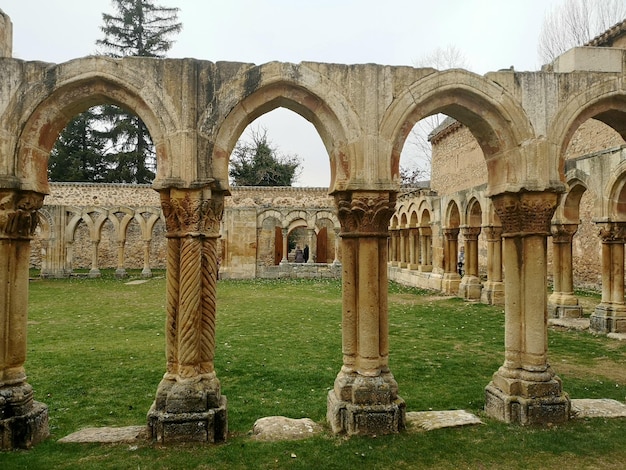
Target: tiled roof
{"type": "Point", "coordinates": [606, 38]}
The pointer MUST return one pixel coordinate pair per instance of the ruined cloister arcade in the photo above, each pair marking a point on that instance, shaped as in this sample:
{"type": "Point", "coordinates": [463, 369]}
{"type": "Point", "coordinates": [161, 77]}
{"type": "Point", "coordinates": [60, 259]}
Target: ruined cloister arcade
{"type": "Point", "coordinates": [195, 112]}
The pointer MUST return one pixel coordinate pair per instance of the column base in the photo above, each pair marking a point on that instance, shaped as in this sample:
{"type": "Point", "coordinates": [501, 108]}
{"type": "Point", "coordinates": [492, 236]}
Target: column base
{"type": "Point", "coordinates": [564, 305]}
{"type": "Point", "coordinates": [425, 268]}
{"type": "Point", "coordinates": [527, 402]}
{"type": "Point", "coordinates": [360, 405]}
{"type": "Point", "coordinates": [608, 318]}
{"type": "Point", "coordinates": [146, 272]}
{"type": "Point", "coordinates": [492, 293]}
{"type": "Point", "coordinates": [23, 422]}
{"type": "Point", "coordinates": [94, 273]}
{"type": "Point", "coordinates": [192, 410]}
{"type": "Point", "coordinates": [121, 273]}
{"type": "Point", "coordinates": [450, 283]}
{"type": "Point", "coordinates": [470, 288]}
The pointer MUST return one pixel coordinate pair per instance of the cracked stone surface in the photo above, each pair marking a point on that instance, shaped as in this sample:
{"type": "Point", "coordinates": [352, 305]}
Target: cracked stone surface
{"type": "Point", "coordinates": [429, 420]}
{"type": "Point", "coordinates": [127, 434]}
{"type": "Point", "coordinates": [277, 428]}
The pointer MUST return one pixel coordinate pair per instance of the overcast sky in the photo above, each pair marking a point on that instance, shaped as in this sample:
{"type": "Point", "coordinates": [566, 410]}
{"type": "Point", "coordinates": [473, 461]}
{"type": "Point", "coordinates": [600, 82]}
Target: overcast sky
{"type": "Point", "coordinates": [492, 34]}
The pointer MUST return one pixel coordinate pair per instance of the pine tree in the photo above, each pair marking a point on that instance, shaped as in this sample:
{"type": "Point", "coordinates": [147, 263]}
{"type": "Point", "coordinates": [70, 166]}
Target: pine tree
{"type": "Point", "coordinates": [259, 164]}
{"type": "Point", "coordinates": [141, 29]}
{"type": "Point", "coordinates": [78, 154]}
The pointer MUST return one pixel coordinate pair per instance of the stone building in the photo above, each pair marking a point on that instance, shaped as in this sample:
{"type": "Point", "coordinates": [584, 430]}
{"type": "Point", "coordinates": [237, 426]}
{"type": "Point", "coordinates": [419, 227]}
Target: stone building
{"type": "Point", "coordinates": [195, 112]}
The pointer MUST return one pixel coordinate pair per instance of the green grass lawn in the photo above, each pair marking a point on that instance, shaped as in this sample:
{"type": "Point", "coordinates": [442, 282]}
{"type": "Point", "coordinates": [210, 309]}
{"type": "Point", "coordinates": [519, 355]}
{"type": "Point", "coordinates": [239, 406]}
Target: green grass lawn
{"type": "Point", "coordinates": [96, 356]}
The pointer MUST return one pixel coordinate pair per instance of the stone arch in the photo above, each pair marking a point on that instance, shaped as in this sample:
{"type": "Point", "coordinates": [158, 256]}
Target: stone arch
{"type": "Point", "coordinates": [603, 100]}
{"type": "Point", "coordinates": [270, 237]}
{"type": "Point", "coordinates": [570, 201]}
{"type": "Point", "coordinates": [474, 213]}
{"type": "Point", "coordinates": [453, 215]}
{"type": "Point", "coordinates": [494, 117]}
{"type": "Point", "coordinates": [615, 195]}
{"type": "Point", "coordinates": [303, 91]}
{"type": "Point", "coordinates": [70, 89]}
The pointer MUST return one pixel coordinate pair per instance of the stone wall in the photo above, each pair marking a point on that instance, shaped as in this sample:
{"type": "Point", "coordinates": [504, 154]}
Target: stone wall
{"type": "Point", "coordinates": [248, 226]}
{"type": "Point", "coordinates": [457, 161]}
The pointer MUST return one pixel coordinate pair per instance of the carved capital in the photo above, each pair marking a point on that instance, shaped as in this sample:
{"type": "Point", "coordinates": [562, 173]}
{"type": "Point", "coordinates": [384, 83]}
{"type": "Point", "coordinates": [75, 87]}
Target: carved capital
{"type": "Point", "coordinates": [493, 233]}
{"type": "Point", "coordinates": [563, 233]}
{"type": "Point", "coordinates": [365, 214]}
{"type": "Point", "coordinates": [612, 232]}
{"type": "Point", "coordinates": [470, 233]}
{"type": "Point", "coordinates": [425, 230]}
{"type": "Point", "coordinates": [451, 233]}
{"type": "Point", "coordinates": [525, 213]}
{"type": "Point", "coordinates": [191, 213]}
{"type": "Point", "coordinates": [18, 213]}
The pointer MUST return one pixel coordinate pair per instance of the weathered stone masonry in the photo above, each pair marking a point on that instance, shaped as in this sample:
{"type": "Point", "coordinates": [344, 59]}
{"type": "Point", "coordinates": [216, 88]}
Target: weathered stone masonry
{"type": "Point", "coordinates": [195, 112]}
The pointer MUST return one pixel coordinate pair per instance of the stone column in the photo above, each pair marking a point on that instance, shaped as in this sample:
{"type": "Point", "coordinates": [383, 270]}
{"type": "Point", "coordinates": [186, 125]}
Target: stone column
{"type": "Point", "coordinates": [413, 248]}
{"type": "Point", "coordinates": [525, 390]}
{"type": "Point", "coordinates": [562, 303]}
{"type": "Point", "coordinates": [451, 278]}
{"type": "Point", "coordinates": [120, 271]}
{"type": "Point", "coordinates": [285, 259]}
{"type": "Point", "coordinates": [56, 250]}
{"type": "Point", "coordinates": [403, 241]}
{"type": "Point", "coordinates": [364, 399]}
{"type": "Point", "coordinates": [610, 315]}
{"type": "Point", "coordinates": [312, 246]}
{"type": "Point", "coordinates": [146, 271]}
{"type": "Point", "coordinates": [189, 405]}
{"type": "Point", "coordinates": [493, 290]}
{"type": "Point", "coordinates": [23, 421]}
{"type": "Point", "coordinates": [426, 264]}
{"type": "Point", "coordinates": [470, 286]}
{"type": "Point", "coordinates": [337, 238]}
{"type": "Point", "coordinates": [70, 256]}
{"type": "Point", "coordinates": [393, 256]}
{"type": "Point", "coordinates": [94, 271]}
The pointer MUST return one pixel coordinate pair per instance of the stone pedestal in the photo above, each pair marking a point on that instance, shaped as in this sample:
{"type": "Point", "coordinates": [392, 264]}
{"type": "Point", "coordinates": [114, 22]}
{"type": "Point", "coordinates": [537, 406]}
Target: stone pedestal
{"type": "Point", "coordinates": [527, 402]}
{"type": "Point", "coordinates": [450, 283]}
{"type": "Point", "coordinates": [608, 318]}
{"type": "Point", "coordinates": [470, 288]}
{"type": "Point", "coordinates": [23, 421]}
{"type": "Point", "coordinates": [492, 293]}
{"type": "Point", "coordinates": [192, 410]}
{"type": "Point", "coordinates": [365, 405]}
{"type": "Point", "coordinates": [525, 390]}
{"type": "Point", "coordinates": [564, 305]}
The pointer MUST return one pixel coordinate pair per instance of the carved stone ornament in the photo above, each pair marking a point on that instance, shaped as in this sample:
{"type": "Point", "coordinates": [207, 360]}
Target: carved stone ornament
{"type": "Point", "coordinates": [493, 233]}
{"type": "Point", "coordinates": [189, 215]}
{"type": "Point", "coordinates": [18, 213]}
{"type": "Point", "coordinates": [451, 233]}
{"type": "Point", "coordinates": [365, 214]}
{"type": "Point", "coordinates": [563, 233]}
{"type": "Point", "coordinates": [525, 213]}
{"type": "Point", "coordinates": [612, 232]}
{"type": "Point", "coordinates": [470, 233]}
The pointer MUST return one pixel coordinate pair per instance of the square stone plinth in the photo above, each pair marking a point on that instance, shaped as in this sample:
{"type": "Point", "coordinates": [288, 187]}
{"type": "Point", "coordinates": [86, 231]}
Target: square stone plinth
{"type": "Point", "coordinates": [208, 426]}
{"type": "Point", "coordinates": [551, 409]}
{"type": "Point", "coordinates": [25, 431]}
{"type": "Point", "coordinates": [362, 419]}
